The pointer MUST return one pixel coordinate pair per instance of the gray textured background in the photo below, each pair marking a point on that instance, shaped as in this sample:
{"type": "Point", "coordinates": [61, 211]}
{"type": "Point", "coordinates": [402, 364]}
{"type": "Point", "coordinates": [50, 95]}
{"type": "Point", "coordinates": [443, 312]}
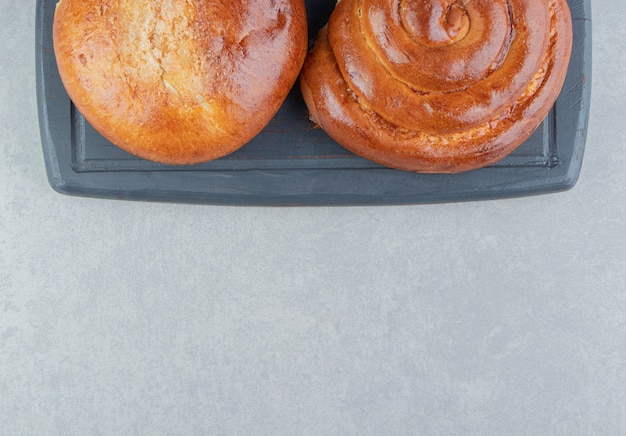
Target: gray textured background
{"type": "Point", "coordinates": [502, 317]}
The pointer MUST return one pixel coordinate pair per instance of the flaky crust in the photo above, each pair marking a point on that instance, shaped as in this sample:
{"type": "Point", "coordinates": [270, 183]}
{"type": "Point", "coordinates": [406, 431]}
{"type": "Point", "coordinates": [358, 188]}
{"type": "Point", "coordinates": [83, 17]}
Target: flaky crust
{"type": "Point", "coordinates": [179, 81]}
{"type": "Point", "coordinates": [437, 86]}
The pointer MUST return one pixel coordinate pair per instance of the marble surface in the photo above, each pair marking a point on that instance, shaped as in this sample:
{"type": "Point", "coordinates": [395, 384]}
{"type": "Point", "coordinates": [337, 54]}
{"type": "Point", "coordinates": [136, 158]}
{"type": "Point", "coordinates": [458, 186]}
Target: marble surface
{"type": "Point", "coordinates": [500, 317]}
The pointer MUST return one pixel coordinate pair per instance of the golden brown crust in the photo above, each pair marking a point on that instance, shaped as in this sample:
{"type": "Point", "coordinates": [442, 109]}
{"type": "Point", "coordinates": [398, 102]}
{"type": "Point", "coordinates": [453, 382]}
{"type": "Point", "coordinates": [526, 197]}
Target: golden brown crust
{"type": "Point", "coordinates": [179, 81]}
{"type": "Point", "coordinates": [437, 85]}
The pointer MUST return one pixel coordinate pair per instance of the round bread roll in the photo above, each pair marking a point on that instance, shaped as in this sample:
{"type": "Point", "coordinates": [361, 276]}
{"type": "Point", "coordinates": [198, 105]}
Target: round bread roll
{"type": "Point", "coordinates": [437, 86]}
{"type": "Point", "coordinates": [179, 81]}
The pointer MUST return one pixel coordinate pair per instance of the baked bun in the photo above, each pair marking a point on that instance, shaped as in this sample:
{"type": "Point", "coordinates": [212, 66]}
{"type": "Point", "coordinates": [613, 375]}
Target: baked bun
{"type": "Point", "coordinates": [437, 85]}
{"type": "Point", "coordinates": [179, 81]}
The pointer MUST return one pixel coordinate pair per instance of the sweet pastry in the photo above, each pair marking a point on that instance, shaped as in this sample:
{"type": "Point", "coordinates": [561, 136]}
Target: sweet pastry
{"type": "Point", "coordinates": [179, 81]}
{"type": "Point", "coordinates": [437, 85]}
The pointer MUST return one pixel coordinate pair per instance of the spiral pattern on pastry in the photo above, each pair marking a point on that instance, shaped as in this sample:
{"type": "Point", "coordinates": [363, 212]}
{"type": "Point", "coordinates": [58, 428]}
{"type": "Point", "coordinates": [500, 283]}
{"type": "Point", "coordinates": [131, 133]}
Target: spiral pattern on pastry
{"type": "Point", "coordinates": [437, 85]}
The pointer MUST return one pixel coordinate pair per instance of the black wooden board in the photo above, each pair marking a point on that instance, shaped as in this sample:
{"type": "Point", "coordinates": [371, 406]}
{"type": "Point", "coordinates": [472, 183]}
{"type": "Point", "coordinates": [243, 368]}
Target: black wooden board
{"type": "Point", "coordinates": [293, 163]}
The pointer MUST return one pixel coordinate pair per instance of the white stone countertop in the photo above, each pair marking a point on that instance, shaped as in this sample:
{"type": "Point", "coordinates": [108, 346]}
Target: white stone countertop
{"type": "Point", "coordinates": [481, 318]}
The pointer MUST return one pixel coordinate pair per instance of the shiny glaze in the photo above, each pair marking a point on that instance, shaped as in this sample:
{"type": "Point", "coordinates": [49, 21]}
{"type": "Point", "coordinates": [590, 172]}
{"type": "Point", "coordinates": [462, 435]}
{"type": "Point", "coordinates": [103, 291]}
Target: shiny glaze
{"type": "Point", "coordinates": [375, 100]}
{"type": "Point", "coordinates": [444, 23]}
{"type": "Point", "coordinates": [179, 81]}
{"type": "Point", "coordinates": [443, 88]}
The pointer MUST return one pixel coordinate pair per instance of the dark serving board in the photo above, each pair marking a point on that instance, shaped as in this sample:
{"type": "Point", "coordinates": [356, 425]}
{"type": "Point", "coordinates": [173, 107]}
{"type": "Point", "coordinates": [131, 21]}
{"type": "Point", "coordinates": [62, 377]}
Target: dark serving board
{"type": "Point", "coordinates": [293, 163]}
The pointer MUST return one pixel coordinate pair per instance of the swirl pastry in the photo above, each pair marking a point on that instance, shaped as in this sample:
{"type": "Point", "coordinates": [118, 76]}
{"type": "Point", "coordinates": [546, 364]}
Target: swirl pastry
{"type": "Point", "coordinates": [437, 85]}
{"type": "Point", "coordinates": [179, 81]}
